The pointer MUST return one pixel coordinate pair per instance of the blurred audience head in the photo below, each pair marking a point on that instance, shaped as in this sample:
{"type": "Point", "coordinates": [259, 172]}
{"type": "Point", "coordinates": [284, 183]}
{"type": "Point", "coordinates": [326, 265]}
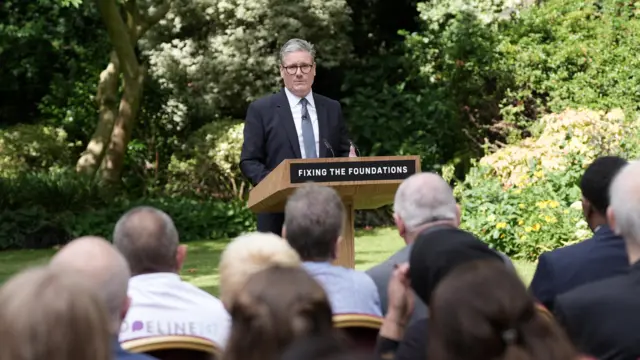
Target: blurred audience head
{"type": "Point", "coordinates": [482, 311]}
{"type": "Point", "coordinates": [276, 306]}
{"type": "Point", "coordinates": [104, 268]}
{"type": "Point", "coordinates": [436, 252]}
{"type": "Point", "coordinates": [53, 315]}
{"type": "Point", "coordinates": [314, 219]}
{"type": "Point", "coordinates": [149, 241]}
{"type": "Point", "coordinates": [624, 210]}
{"type": "Point", "coordinates": [595, 185]}
{"type": "Point", "coordinates": [249, 254]}
{"type": "Point", "coordinates": [323, 347]}
{"type": "Point", "coordinates": [422, 200]}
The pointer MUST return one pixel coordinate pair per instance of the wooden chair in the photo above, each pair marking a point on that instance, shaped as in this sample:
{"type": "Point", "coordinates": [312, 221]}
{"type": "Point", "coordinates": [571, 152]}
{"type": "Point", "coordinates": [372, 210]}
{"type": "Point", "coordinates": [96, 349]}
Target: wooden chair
{"type": "Point", "coordinates": [174, 347]}
{"type": "Point", "coordinates": [544, 312]}
{"type": "Point", "coordinates": [361, 329]}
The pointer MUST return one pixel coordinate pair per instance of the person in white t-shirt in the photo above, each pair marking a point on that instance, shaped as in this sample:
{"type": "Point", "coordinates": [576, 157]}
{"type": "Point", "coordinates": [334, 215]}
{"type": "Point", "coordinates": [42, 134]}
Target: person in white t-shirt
{"type": "Point", "coordinates": [161, 303]}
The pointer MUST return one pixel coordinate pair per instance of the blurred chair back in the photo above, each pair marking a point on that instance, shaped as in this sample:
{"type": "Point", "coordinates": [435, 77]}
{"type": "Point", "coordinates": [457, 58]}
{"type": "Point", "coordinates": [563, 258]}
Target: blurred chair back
{"type": "Point", "coordinates": [544, 312]}
{"type": "Point", "coordinates": [361, 329]}
{"type": "Point", "coordinates": [174, 347]}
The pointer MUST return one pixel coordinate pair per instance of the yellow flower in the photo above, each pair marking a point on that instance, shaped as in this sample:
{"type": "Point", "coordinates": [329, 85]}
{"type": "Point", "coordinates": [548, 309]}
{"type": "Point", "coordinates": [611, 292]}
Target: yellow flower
{"type": "Point", "coordinates": [550, 219]}
{"type": "Point", "coordinates": [528, 229]}
{"type": "Point", "coordinates": [542, 204]}
{"type": "Point", "coordinates": [536, 227]}
{"type": "Point", "coordinates": [553, 204]}
{"type": "Point", "coordinates": [520, 222]}
{"type": "Point", "coordinates": [538, 174]}
{"type": "Point", "coordinates": [501, 225]}
{"type": "Point", "coordinates": [521, 206]}
{"type": "Point", "coordinates": [565, 211]}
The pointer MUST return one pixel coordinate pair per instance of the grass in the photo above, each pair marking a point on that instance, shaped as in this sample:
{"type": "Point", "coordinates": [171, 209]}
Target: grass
{"type": "Point", "coordinates": [201, 266]}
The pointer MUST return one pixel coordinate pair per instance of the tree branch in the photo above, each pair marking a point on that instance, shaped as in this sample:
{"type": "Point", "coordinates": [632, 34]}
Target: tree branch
{"type": "Point", "coordinates": [133, 20]}
{"type": "Point", "coordinates": [120, 39]}
{"type": "Point", "coordinates": [146, 22]}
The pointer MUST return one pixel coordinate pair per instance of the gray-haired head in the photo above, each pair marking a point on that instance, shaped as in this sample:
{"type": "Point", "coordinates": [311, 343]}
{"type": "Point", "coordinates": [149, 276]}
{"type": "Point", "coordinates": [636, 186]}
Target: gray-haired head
{"type": "Point", "coordinates": [148, 239]}
{"type": "Point", "coordinates": [314, 219]}
{"type": "Point", "coordinates": [294, 45]}
{"type": "Point", "coordinates": [624, 206]}
{"type": "Point", "coordinates": [424, 198]}
{"type": "Point", "coordinates": [103, 267]}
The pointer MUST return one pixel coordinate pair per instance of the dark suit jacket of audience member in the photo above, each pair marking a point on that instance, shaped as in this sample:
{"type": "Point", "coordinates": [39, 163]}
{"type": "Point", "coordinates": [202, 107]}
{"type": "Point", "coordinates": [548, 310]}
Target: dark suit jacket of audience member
{"type": "Point", "coordinates": [600, 257]}
{"type": "Point", "coordinates": [602, 318]}
{"type": "Point", "coordinates": [381, 274]}
{"type": "Point", "coordinates": [270, 137]}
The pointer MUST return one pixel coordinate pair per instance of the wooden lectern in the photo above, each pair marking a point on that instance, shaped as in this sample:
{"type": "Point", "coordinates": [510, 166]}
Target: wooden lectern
{"type": "Point", "coordinates": [362, 183]}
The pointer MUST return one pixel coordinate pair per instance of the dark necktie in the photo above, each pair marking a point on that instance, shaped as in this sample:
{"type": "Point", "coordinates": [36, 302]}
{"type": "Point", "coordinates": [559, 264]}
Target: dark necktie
{"type": "Point", "coordinates": [307, 132]}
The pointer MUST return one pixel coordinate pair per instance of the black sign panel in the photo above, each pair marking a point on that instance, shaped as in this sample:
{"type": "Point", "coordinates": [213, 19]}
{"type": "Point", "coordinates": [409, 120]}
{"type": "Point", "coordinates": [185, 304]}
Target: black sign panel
{"type": "Point", "coordinates": [352, 171]}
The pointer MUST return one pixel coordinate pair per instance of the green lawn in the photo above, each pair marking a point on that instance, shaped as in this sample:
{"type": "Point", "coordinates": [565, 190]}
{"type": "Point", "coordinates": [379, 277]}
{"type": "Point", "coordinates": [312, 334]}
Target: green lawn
{"type": "Point", "coordinates": [201, 267]}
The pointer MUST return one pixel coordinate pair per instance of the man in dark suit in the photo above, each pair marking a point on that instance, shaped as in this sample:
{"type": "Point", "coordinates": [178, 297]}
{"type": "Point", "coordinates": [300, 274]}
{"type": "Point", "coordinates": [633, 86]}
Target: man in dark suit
{"type": "Point", "coordinates": [597, 258]}
{"type": "Point", "coordinates": [294, 123]}
{"type": "Point", "coordinates": [602, 318]}
{"type": "Point", "coordinates": [423, 202]}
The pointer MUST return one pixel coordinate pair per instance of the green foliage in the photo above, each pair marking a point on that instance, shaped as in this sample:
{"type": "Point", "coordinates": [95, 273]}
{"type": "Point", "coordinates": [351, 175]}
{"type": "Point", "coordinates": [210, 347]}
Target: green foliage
{"type": "Point", "coordinates": [208, 164]}
{"type": "Point", "coordinates": [578, 54]}
{"type": "Point", "coordinates": [33, 148]}
{"type": "Point", "coordinates": [47, 209]}
{"type": "Point", "coordinates": [524, 199]}
{"type": "Point", "coordinates": [216, 57]}
{"type": "Point", "coordinates": [48, 49]}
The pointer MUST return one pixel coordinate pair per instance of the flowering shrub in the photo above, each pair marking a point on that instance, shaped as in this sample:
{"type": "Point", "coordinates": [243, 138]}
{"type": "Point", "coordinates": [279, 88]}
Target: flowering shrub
{"type": "Point", "coordinates": [524, 199]}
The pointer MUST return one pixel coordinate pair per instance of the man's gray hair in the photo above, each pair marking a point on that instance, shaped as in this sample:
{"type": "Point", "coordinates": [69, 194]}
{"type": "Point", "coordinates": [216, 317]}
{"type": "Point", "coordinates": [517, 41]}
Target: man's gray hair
{"type": "Point", "coordinates": [625, 202]}
{"type": "Point", "coordinates": [423, 198]}
{"type": "Point", "coordinates": [314, 220]}
{"type": "Point", "coordinates": [295, 45]}
{"type": "Point", "coordinates": [148, 239]}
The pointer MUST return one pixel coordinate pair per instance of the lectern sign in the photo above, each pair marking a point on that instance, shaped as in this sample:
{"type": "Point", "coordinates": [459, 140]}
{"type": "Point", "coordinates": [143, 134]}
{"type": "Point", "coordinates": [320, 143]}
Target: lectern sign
{"type": "Point", "coordinates": [352, 171]}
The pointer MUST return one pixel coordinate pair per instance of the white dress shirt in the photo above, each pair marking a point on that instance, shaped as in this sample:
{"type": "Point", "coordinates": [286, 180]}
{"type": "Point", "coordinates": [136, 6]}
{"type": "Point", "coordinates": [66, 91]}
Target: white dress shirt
{"type": "Point", "coordinates": [296, 111]}
{"type": "Point", "coordinates": [163, 304]}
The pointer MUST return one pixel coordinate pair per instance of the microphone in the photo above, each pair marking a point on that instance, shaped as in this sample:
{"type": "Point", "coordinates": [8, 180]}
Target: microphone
{"type": "Point", "coordinates": [326, 143]}
{"type": "Point", "coordinates": [354, 146]}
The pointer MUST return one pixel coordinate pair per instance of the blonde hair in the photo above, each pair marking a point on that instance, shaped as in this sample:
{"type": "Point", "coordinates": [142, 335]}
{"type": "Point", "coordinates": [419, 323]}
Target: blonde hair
{"type": "Point", "coordinates": [249, 254]}
{"type": "Point", "coordinates": [52, 315]}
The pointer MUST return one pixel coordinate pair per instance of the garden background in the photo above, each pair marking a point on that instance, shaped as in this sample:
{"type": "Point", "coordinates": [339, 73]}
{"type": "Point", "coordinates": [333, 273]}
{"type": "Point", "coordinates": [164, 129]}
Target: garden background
{"type": "Point", "coordinates": [508, 100]}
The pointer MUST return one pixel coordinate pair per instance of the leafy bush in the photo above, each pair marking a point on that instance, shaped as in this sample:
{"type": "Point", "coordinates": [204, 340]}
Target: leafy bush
{"type": "Point", "coordinates": [45, 209]}
{"type": "Point", "coordinates": [208, 164]}
{"type": "Point", "coordinates": [28, 147]}
{"type": "Point", "coordinates": [577, 54]}
{"type": "Point", "coordinates": [524, 199]}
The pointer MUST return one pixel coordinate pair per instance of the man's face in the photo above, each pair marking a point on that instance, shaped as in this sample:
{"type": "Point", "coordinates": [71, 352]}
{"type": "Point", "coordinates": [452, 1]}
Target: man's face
{"type": "Point", "coordinates": [297, 71]}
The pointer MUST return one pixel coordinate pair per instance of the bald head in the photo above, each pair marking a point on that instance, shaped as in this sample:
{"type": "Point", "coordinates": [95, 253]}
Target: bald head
{"type": "Point", "coordinates": [624, 206]}
{"type": "Point", "coordinates": [424, 198]}
{"type": "Point", "coordinates": [103, 267]}
{"type": "Point", "coordinates": [148, 239]}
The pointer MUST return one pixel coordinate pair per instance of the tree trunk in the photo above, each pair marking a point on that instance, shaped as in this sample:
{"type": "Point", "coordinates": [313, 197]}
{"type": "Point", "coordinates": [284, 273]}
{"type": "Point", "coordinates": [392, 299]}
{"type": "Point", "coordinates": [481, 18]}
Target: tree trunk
{"type": "Point", "coordinates": [113, 162]}
{"type": "Point", "coordinates": [107, 98]}
{"type": "Point", "coordinates": [108, 146]}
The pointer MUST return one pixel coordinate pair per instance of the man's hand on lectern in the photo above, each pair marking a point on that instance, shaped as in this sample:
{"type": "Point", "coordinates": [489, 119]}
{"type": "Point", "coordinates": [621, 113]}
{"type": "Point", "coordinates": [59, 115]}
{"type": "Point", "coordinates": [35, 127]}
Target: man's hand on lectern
{"type": "Point", "coordinates": [352, 151]}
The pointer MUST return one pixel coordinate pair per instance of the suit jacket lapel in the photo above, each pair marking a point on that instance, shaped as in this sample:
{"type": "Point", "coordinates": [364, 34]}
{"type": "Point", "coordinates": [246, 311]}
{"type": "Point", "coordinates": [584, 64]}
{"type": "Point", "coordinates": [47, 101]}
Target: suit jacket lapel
{"type": "Point", "coordinates": [321, 110]}
{"type": "Point", "coordinates": [283, 109]}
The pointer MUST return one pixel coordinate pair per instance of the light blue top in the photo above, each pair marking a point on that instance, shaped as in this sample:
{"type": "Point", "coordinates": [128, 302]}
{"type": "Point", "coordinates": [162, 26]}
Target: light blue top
{"type": "Point", "coordinates": [349, 291]}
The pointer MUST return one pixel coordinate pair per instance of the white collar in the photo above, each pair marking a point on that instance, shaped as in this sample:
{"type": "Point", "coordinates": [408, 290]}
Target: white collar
{"type": "Point", "coordinates": [156, 276]}
{"type": "Point", "coordinates": [295, 100]}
